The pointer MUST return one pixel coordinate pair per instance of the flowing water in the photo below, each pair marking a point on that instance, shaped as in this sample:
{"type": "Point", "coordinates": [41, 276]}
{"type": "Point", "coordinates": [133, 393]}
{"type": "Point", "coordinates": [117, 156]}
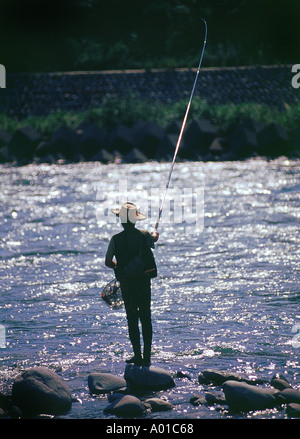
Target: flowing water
{"type": "Point", "coordinates": [226, 297]}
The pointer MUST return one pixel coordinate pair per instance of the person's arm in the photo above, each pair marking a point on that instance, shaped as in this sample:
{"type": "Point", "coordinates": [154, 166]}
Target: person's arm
{"type": "Point", "coordinates": [155, 236]}
{"type": "Point", "coordinates": [109, 262]}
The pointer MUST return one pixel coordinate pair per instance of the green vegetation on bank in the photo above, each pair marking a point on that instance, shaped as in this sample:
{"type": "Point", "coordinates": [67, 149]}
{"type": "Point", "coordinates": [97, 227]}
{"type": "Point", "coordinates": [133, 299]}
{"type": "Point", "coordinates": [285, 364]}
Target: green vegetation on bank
{"type": "Point", "coordinates": [131, 109]}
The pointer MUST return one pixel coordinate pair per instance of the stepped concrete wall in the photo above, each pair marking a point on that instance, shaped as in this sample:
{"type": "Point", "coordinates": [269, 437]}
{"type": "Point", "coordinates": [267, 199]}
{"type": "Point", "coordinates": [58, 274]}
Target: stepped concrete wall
{"type": "Point", "coordinates": [42, 93]}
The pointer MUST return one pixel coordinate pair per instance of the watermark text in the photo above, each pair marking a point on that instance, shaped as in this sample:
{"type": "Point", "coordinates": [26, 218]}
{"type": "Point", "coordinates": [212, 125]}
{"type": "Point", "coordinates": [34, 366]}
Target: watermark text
{"type": "Point", "coordinates": [182, 206]}
{"type": "Point", "coordinates": [2, 76]}
{"type": "Point", "coordinates": [296, 78]}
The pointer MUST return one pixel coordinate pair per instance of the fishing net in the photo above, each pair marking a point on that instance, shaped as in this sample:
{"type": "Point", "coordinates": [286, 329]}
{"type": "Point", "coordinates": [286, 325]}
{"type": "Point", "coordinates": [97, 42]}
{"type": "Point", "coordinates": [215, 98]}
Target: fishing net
{"type": "Point", "coordinates": [112, 294]}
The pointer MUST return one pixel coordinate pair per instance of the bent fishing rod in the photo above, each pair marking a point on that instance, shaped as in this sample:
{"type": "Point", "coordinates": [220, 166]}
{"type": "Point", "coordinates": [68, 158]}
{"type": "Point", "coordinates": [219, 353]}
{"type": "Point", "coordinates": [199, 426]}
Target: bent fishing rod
{"type": "Point", "coordinates": [181, 130]}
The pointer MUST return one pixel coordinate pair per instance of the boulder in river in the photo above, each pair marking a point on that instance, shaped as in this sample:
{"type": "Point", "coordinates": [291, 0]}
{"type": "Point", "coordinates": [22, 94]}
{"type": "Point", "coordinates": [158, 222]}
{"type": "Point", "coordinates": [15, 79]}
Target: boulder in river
{"type": "Point", "coordinates": [125, 406]}
{"type": "Point", "coordinates": [290, 395]}
{"type": "Point", "coordinates": [293, 410]}
{"type": "Point", "coordinates": [218, 377]}
{"type": "Point", "coordinates": [158, 404]}
{"type": "Point", "coordinates": [39, 390]}
{"type": "Point", "coordinates": [151, 378]}
{"type": "Point", "coordinates": [215, 398]}
{"type": "Point", "coordinates": [198, 400]}
{"type": "Point", "coordinates": [100, 383]}
{"type": "Point", "coordinates": [279, 382]}
{"type": "Point", "coordinates": [243, 397]}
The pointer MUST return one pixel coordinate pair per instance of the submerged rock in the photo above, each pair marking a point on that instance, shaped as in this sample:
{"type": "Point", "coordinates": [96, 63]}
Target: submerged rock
{"type": "Point", "coordinates": [154, 378]}
{"type": "Point", "coordinates": [39, 390]}
{"type": "Point", "coordinates": [244, 397]}
{"type": "Point", "coordinates": [198, 400]}
{"type": "Point", "coordinates": [181, 374]}
{"type": "Point", "coordinates": [100, 383]}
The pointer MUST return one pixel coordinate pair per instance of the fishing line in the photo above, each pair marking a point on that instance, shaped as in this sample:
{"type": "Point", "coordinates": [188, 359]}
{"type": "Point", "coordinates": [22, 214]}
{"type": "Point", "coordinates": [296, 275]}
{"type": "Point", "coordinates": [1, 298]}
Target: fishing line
{"type": "Point", "coordinates": [181, 130]}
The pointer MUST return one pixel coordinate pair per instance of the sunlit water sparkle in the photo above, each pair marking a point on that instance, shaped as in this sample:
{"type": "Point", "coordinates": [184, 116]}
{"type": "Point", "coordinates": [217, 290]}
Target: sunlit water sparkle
{"type": "Point", "coordinates": [227, 297]}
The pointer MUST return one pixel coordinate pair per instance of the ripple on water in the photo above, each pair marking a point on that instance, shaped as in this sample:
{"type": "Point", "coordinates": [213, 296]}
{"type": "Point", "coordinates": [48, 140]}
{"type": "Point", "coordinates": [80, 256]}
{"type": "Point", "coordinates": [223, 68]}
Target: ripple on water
{"type": "Point", "coordinates": [226, 295]}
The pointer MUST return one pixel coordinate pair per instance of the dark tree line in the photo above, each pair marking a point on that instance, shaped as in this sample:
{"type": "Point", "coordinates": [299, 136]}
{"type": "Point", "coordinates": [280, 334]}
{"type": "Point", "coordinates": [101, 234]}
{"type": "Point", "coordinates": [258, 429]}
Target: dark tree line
{"type": "Point", "coordinates": [49, 35]}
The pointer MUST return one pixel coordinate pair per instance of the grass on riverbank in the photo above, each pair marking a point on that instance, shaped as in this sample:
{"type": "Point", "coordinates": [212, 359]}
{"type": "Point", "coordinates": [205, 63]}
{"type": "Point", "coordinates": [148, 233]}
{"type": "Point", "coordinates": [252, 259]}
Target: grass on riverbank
{"type": "Point", "coordinates": [130, 109]}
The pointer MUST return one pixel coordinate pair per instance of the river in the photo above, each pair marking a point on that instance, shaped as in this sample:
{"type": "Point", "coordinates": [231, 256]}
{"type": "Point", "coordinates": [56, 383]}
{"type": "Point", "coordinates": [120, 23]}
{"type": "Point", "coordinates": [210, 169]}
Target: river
{"type": "Point", "coordinates": [227, 292]}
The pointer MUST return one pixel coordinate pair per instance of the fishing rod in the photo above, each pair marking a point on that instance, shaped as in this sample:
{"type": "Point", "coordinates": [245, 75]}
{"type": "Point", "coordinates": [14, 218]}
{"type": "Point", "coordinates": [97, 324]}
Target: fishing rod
{"type": "Point", "coordinates": [181, 130]}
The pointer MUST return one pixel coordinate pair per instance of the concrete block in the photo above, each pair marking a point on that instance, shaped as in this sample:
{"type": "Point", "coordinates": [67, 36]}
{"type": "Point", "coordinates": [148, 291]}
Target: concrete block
{"type": "Point", "coordinates": [91, 139]}
{"type": "Point", "coordinates": [5, 137]}
{"type": "Point", "coordinates": [24, 142]}
{"type": "Point", "coordinates": [273, 140]}
{"type": "Point", "coordinates": [120, 139]}
{"type": "Point", "coordinates": [199, 135]}
{"type": "Point", "coordinates": [103, 156]}
{"type": "Point", "coordinates": [135, 156]}
{"type": "Point", "coordinates": [64, 141]}
{"type": "Point", "coordinates": [242, 142]}
{"type": "Point", "coordinates": [148, 137]}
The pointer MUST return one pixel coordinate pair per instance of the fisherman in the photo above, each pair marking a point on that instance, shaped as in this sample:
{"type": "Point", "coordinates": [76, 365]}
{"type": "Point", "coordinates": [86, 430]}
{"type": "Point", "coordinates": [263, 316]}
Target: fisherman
{"type": "Point", "coordinates": [134, 267]}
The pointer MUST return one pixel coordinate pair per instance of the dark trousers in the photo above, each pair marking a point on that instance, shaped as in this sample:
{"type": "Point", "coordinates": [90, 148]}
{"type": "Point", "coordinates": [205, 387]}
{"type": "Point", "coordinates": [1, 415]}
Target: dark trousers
{"type": "Point", "coordinates": [136, 293]}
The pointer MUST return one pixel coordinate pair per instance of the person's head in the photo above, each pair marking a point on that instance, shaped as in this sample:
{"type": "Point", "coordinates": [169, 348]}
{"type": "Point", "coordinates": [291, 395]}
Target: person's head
{"type": "Point", "coordinates": [129, 214]}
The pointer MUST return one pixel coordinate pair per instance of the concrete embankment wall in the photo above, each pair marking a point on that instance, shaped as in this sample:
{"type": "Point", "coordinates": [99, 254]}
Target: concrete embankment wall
{"type": "Point", "coordinates": [42, 93]}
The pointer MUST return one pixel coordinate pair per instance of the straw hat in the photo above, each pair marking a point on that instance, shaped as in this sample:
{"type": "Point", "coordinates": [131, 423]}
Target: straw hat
{"type": "Point", "coordinates": [129, 212]}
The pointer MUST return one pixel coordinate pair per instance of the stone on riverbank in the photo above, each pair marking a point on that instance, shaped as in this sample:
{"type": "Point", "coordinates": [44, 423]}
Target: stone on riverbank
{"type": "Point", "coordinates": [125, 405]}
{"type": "Point", "coordinates": [100, 383]}
{"type": "Point", "coordinates": [39, 390]}
{"type": "Point", "coordinates": [243, 397]}
{"type": "Point", "coordinates": [151, 378]}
